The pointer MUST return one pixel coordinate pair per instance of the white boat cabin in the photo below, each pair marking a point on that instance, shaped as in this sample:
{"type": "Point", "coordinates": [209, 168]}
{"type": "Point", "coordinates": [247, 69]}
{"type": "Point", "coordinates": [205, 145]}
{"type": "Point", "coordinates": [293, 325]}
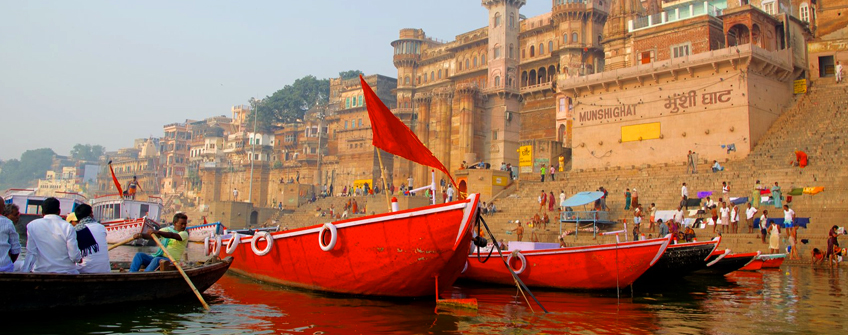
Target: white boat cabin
{"type": "Point", "coordinates": [113, 207]}
{"type": "Point", "coordinates": [29, 203]}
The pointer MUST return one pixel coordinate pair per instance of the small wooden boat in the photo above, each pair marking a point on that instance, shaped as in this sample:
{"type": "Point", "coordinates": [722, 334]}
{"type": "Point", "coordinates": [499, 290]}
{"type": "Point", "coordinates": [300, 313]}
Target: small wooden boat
{"type": "Point", "coordinates": [24, 292]}
{"type": "Point", "coordinates": [680, 260]}
{"type": "Point", "coordinates": [722, 262]}
{"type": "Point", "coordinates": [595, 267]}
{"type": "Point", "coordinates": [754, 265]}
{"type": "Point", "coordinates": [772, 261]}
{"type": "Point", "coordinates": [395, 254]}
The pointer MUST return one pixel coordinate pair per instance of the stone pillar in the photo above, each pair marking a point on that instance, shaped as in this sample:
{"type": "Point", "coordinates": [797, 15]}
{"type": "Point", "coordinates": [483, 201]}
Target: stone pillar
{"type": "Point", "coordinates": [422, 130]}
{"type": "Point", "coordinates": [442, 136]}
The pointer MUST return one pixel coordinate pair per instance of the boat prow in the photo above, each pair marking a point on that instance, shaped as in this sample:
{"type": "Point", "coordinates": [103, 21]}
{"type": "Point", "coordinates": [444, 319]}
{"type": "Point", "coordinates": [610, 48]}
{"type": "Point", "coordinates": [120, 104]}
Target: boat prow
{"type": "Point", "coordinates": [596, 267]}
{"type": "Point", "coordinates": [722, 262]}
{"type": "Point", "coordinates": [396, 254]}
{"type": "Point", "coordinates": [680, 260]}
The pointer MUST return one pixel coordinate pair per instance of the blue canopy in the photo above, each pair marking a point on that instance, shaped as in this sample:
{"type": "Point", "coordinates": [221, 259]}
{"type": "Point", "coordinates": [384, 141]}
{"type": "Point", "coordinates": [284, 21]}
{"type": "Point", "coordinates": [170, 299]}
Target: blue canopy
{"type": "Point", "coordinates": [583, 198]}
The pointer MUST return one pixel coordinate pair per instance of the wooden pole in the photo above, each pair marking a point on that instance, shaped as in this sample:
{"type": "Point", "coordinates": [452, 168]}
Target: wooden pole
{"type": "Point", "coordinates": [383, 177]}
{"type": "Point", "coordinates": [180, 269]}
{"type": "Point", "coordinates": [121, 243]}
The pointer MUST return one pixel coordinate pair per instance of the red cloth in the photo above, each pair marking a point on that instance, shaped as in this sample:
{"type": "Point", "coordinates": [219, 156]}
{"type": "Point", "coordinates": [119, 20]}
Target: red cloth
{"type": "Point", "coordinates": [394, 137]}
{"type": "Point", "coordinates": [802, 158]}
{"type": "Point", "coordinates": [115, 179]}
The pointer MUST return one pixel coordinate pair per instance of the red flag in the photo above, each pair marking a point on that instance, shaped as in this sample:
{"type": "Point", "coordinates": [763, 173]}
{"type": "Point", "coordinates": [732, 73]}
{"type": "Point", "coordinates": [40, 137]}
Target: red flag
{"type": "Point", "coordinates": [394, 137]}
{"type": "Point", "coordinates": [115, 179]}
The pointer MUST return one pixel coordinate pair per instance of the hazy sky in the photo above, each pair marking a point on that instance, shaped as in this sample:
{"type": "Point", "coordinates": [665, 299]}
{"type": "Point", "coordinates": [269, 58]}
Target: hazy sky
{"type": "Point", "coordinates": [107, 72]}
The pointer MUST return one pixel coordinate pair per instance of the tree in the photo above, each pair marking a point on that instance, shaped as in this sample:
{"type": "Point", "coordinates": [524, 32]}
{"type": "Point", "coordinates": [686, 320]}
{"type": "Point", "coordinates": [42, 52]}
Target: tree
{"type": "Point", "coordinates": [87, 152]}
{"type": "Point", "coordinates": [291, 102]}
{"type": "Point", "coordinates": [350, 74]}
{"type": "Point", "coordinates": [22, 173]}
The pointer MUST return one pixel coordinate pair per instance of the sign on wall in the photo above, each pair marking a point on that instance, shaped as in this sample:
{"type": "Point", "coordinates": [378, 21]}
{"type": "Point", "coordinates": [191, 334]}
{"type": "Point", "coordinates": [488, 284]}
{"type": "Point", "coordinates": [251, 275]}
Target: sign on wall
{"type": "Point", "coordinates": [525, 155]}
{"type": "Point", "coordinates": [800, 86]}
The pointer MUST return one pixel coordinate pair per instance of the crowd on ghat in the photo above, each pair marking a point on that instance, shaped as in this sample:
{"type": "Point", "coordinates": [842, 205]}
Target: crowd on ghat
{"type": "Point", "coordinates": [76, 244]}
{"type": "Point", "coordinates": [722, 216]}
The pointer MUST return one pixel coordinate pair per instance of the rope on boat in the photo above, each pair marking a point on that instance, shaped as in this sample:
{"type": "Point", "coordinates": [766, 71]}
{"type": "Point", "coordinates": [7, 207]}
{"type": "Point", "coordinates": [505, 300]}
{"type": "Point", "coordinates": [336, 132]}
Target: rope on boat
{"type": "Point", "coordinates": [500, 253]}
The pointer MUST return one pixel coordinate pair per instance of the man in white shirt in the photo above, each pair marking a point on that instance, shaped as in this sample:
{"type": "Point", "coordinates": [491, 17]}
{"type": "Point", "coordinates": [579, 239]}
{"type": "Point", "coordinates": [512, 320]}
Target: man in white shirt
{"type": "Point", "coordinates": [561, 200]}
{"type": "Point", "coordinates": [684, 193]}
{"type": "Point", "coordinates": [725, 216]}
{"type": "Point", "coordinates": [734, 218]}
{"type": "Point", "coordinates": [749, 217]}
{"type": "Point", "coordinates": [51, 243]}
{"type": "Point", "coordinates": [450, 193]}
{"type": "Point", "coordinates": [788, 217]}
{"type": "Point", "coordinates": [91, 239]}
{"type": "Point", "coordinates": [10, 244]}
{"type": "Point", "coordinates": [678, 215]}
{"type": "Point", "coordinates": [838, 70]}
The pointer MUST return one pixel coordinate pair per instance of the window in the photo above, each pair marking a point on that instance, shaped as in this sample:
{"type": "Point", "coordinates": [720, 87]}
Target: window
{"type": "Point", "coordinates": [360, 122]}
{"type": "Point", "coordinates": [347, 103]}
{"type": "Point", "coordinates": [680, 50]}
{"type": "Point", "coordinates": [511, 21]}
{"type": "Point", "coordinates": [768, 7]}
{"type": "Point", "coordinates": [565, 38]}
{"type": "Point", "coordinates": [474, 62]}
{"type": "Point", "coordinates": [406, 80]}
{"type": "Point", "coordinates": [532, 51]}
{"type": "Point", "coordinates": [497, 81]}
{"type": "Point", "coordinates": [467, 64]}
{"type": "Point", "coordinates": [440, 74]}
{"type": "Point", "coordinates": [482, 60]}
{"type": "Point", "coordinates": [354, 102]}
{"type": "Point", "coordinates": [561, 105]}
{"type": "Point", "coordinates": [550, 46]}
{"type": "Point", "coordinates": [497, 51]}
{"type": "Point", "coordinates": [541, 49]}
{"type": "Point", "coordinates": [494, 134]}
{"type": "Point", "coordinates": [460, 65]}
{"type": "Point", "coordinates": [510, 55]}
{"type": "Point", "coordinates": [574, 37]}
{"type": "Point", "coordinates": [432, 76]}
{"type": "Point", "coordinates": [497, 20]}
{"type": "Point", "coordinates": [805, 12]}
{"type": "Point", "coordinates": [646, 57]}
{"type": "Point", "coordinates": [361, 100]}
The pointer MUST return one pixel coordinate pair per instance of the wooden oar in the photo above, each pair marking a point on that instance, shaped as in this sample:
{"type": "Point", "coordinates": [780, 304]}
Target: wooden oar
{"type": "Point", "coordinates": [121, 243]}
{"type": "Point", "coordinates": [179, 268]}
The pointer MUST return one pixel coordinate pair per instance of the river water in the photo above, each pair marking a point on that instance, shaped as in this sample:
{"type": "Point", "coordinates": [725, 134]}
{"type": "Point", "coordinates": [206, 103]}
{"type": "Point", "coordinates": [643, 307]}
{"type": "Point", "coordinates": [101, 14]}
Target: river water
{"type": "Point", "coordinates": [793, 299]}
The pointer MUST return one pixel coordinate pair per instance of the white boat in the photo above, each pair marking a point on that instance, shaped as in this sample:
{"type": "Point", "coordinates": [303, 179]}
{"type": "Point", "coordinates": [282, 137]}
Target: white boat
{"type": "Point", "coordinates": [124, 217]}
{"type": "Point", "coordinates": [200, 232]}
{"type": "Point", "coordinates": [30, 204]}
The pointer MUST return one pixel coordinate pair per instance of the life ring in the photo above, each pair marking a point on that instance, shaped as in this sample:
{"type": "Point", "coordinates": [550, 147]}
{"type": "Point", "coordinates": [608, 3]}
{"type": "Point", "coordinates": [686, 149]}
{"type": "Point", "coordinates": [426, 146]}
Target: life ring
{"type": "Point", "coordinates": [334, 237]}
{"type": "Point", "coordinates": [269, 242]}
{"type": "Point", "coordinates": [233, 243]}
{"type": "Point", "coordinates": [521, 258]}
{"type": "Point", "coordinates": [464, 268]}
{"type": "Point", "coordinates": [206, 246]}
{"type": "Point", "coordinates": [217, 245]}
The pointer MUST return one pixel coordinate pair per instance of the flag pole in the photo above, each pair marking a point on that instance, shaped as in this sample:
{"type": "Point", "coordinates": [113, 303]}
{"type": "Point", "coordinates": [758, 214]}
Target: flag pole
{"type": "Point", "coordinates": [383, 177]}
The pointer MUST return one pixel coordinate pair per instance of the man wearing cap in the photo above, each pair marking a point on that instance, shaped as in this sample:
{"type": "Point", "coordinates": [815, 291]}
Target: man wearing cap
{"type": "Point", "coordinates": [51, 242]}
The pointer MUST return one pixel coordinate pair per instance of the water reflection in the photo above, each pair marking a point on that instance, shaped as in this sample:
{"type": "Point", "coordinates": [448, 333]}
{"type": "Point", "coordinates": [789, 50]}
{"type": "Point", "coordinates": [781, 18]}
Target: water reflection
{"type": "Point", "coordinates": [794, 299]}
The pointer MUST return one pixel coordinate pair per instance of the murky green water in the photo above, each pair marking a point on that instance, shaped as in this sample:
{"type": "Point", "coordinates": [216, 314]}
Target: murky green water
{"type": "Point", "coordinates": [794, 299]}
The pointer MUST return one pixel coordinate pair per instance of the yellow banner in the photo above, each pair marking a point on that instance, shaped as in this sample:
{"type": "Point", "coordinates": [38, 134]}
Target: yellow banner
{"type": "Point", "coordinates": [525, 155]}
{"type": "Point", "coordinates": [638, 132]}
{"type": "Point", "coordinates": [361, 182]}
{"type": "Point", "coordinates": [800, 86]}
{"type": "Point", "coordinates": [499, 180]}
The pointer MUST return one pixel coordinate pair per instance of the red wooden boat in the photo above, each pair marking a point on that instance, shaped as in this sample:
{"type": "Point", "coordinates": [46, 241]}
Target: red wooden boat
{"type": "Point", "coordinates": [680, 260]}
{"type": "Point", "coordinates": [595, 267]}
{"type": "Point", "coordinates": [754, 265]}
{"type": "Point", "coordinates": [396, 254]}
{"type": "Point", "coordinates": [772, 261]}
{"type": "Point", "coordinates": [722, 262]}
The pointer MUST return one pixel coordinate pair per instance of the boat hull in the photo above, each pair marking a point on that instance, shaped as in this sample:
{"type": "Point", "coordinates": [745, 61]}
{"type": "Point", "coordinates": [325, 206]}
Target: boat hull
{"type": "Point", "coordinates": [727, 264]}
{"type": "Point", "coordinates": [680, 260]}
{"type": "Point", "coordinates": [597, 267]}
{"type": "Point", "coordinates": [201, 232]}
{"type": "Point", "coordinates": [36, 291]}
{"type": "Point", "coordinates": [394, 254]}
{"type": "Point", "coordinates": [754, 265]}
{"type": "Point", "coordinates": [122, 230]}
{"type": "Point", "coordinates": [773, 261]}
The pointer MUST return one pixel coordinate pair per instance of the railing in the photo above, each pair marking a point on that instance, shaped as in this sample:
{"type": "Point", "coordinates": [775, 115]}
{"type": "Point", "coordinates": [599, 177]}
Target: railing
{"type": "Point", "coordinates": [672, 14]}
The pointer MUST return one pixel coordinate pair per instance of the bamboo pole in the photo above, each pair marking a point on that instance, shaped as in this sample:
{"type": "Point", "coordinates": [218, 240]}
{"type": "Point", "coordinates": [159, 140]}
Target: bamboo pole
{"type": "Point", "coordinates": [383, 177]}
{"type": "Point", "coordinates": [179, 268]}
{"type": "Point", "coordinates": [121, 243]}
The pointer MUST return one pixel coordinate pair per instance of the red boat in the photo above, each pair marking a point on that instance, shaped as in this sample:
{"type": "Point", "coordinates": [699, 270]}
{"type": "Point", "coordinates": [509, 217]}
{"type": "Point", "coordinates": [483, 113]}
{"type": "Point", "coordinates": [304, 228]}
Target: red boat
{"type": "Point", "coordinates": [754, 265]}
{"type": "Point", "coordinates": [396, 254]}
{"type": "Point", "coordinates": [680, 260]}
{"type": "Point", "coordinates": [772, 261]}
{"type": "Point", "coordinates": [722, 262]}
{"type": "Point", "coordinates": [596, 267]}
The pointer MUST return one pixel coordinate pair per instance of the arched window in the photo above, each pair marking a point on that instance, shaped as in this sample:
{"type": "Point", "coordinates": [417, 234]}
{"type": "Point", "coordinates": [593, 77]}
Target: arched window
{"type": "Point", "coordinates": [483, 59]}
{"type": "Point", "coordinates": [425, 77]}
{"type": "Point", "coordinates": [511, 21]}
{"type": "Point", "coordinates": [354, 102]}
{"type": "Point", "coordinates": [467, 66]}
{"type": "Point", "coordinates": [497, 81]}
{"type": "Point", "coordinates": [497, 20]}
{"type": "Point", "coordinates": [532, 51]}
{"type": "Point", "coordinates": [541, 49]}
{"type": "Point", "coordinates": [361, 100]}
{"type": "Point", "coordinates": [460, 65]}
{"type": "Point", "coordinates": [550, 46]}
{"type": "Point", "coordinates": [511, 55]}
{"type": "Point", "coordinates": [497, 51]}
{"type": "Point", "coordinates": [805, 12]}
{"type": "Point", "coordinates": [432, 76]}
{"type": "Point", "coordinates": [475, 62]}
{"type": "Point", "coordinates": [406, 80]}
{"type": "Point", "coordinates": [440, 74]}
{"type": "Point", "coordinates": [574, 37]}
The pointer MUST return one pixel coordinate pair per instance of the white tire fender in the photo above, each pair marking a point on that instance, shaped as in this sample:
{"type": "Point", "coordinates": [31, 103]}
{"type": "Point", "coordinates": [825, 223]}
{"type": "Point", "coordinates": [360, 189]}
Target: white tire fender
{"type": "Point", "coordinates": [334, 237]}
{"type": "Point", "coordinates": [521, 258]}
{"type": "Point", "coordinates": [233, 243]}
{"type": "Point", "coordinates": [217, 246]}
{"type": "Point", "coordinates": [268, 239]}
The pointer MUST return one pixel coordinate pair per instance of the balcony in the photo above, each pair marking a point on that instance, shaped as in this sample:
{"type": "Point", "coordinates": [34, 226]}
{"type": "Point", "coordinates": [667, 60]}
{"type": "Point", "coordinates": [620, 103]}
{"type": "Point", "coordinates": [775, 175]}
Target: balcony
{"type": "Point", "coordinates": [538, 87]}
{"type": "Point", "coordinates": [683, 11]}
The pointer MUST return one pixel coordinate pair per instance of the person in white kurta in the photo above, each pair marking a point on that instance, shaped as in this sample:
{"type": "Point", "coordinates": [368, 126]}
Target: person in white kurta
{"type": "Point", "coordinates": [51, 243]}
{"type": "Point", "coordinates": [95, 259]}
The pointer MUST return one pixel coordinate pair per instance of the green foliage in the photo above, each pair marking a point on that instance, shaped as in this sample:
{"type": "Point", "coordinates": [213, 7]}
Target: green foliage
{"type": "Point", "coordinates": [24, 172]}
{"type": "Point", "coordinates": [278, 165]}
{"type": "Point", "coordinates": [291, 102]}
{"type": "Point", "coordinates": [87, 152]}
{"type": "Point", "coordinates": [350, 74]}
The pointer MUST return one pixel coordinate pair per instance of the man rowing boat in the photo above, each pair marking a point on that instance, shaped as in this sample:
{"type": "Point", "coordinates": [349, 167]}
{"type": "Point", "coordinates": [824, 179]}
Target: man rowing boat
{"type": "Point", "coordinates": [175, 240]}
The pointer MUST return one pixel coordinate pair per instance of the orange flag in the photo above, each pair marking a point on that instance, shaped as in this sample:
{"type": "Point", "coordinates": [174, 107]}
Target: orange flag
{"type": "Point", "coordinates": [393, 136]}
